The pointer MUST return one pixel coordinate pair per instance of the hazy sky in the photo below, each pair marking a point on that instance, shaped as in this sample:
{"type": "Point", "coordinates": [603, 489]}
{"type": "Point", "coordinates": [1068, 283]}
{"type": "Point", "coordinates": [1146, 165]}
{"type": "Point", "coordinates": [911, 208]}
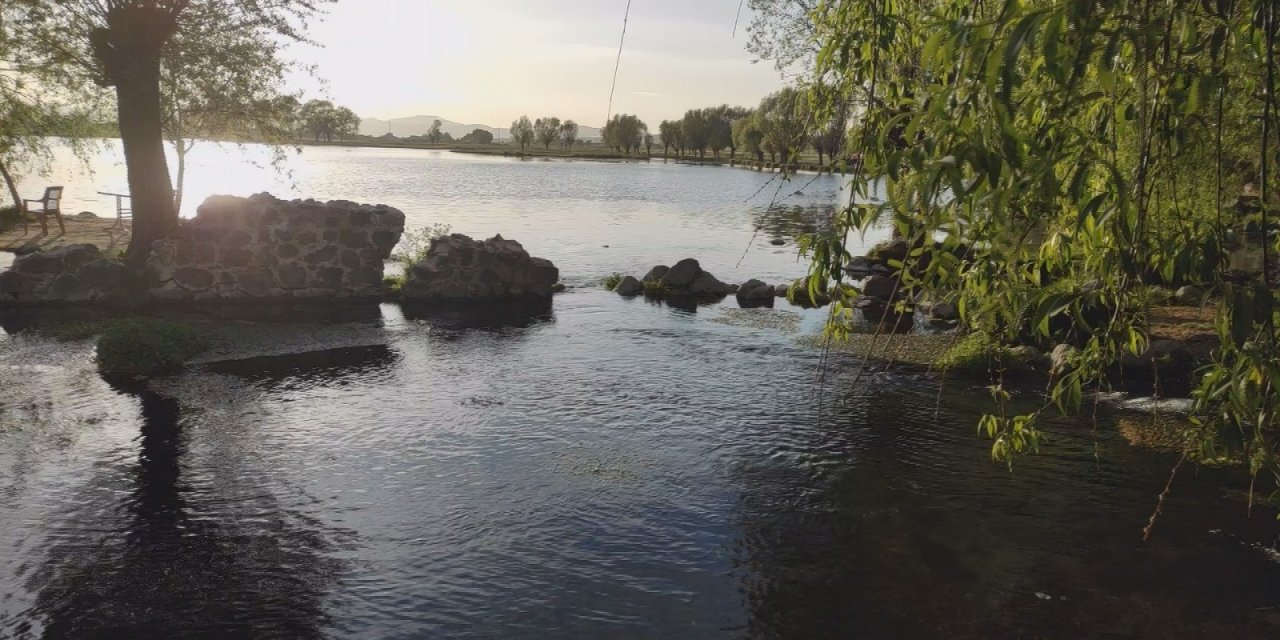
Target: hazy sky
{"type": "Point", "coordinates": [489, 61]}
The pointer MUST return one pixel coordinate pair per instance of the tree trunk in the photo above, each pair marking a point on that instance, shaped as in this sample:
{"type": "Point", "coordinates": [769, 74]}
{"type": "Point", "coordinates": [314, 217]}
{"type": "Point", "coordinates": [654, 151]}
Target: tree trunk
{"type": "Point", "coordinates": [129, 50]}
{"type": "Point", "coordinates": [150, 190]}
{"type": "Point", "coordinates": [181, 148]}
{"type": "Point", "coordinates": [13, 187]}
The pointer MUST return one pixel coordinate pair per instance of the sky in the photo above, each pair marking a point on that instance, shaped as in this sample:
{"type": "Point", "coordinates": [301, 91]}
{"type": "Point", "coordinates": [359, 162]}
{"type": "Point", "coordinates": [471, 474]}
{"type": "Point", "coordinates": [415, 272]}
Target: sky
{"type": "Point", "coordinates": [491, 61]}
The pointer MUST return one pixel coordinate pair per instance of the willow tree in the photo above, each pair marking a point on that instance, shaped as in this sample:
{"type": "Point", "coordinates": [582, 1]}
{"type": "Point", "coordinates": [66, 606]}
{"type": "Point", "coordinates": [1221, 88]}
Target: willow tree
{"type": "Point", "coordinates": [121, 44]}
{"type": "Point", "coordinates": [1119, 131]}
{"type": "Point", "coordinates": [34, 109]}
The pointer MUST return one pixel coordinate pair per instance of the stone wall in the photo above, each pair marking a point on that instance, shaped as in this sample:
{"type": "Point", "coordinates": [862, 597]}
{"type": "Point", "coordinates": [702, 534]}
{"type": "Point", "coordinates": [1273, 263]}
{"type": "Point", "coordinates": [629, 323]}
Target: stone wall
{"type": "Point", "coordinates": [233, 249]}
{"type": "Point", "coordinates": [263, 247]}
{"type": "Point", "coordinates": [71, 273]}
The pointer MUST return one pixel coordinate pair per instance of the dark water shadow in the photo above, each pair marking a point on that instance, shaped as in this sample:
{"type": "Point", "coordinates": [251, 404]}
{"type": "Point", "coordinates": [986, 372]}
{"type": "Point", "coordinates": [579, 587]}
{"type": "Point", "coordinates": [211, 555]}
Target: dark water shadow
{"type": "Point", "coordinates": [479, 315]}
{"type": "Point", "coordinates": [156, 565]}
{"type": "Point", "coordinates": [55, 317]}
{"type": "Point", "coordinates": [899, 526]}
{"type": "Point", "coordinates": [325, 365]}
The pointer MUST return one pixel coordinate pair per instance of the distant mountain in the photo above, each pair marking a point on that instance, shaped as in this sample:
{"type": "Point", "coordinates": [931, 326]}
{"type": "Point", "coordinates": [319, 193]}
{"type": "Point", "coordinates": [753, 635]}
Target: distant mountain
{"type": "Point", "coordinates": [419, 125]}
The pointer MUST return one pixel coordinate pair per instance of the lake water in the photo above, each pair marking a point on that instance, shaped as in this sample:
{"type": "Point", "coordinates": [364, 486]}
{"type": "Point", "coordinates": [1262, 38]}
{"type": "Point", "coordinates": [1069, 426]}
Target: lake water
{"type": "Point", "coordinates": [604, 468]}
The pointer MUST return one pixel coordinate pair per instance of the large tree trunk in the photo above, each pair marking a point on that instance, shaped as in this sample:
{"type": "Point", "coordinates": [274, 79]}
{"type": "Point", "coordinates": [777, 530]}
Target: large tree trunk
{"type": "Point", "coordinates": [150, 189]}
{"type": "Point", "coordinates": [129, 50]}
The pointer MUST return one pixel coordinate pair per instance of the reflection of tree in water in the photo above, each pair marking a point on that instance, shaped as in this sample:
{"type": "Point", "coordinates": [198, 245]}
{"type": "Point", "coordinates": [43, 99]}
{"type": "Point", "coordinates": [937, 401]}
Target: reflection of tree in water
{"type": "Point", "coordinates": [786, 222]}
{"type": "Point", "coordinates": [171, 563]}
{"type": "Point", "coordinates": [899, 528]}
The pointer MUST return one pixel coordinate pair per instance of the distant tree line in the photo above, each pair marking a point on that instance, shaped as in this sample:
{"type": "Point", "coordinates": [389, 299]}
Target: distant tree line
{"type": "Point", "coordinates": [780, 127]}
{"type": "Point", "coordinates": [546, 131]}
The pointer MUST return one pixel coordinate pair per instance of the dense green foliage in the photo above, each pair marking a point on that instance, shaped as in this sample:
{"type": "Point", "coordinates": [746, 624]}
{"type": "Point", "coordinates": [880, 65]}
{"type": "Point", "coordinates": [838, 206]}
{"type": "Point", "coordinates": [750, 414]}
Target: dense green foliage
{"type": "Point", "coordinates": [147, 347]}
{"type": "Point", "coordinates": [624, 132]}
{"type": "Point", "coordinates": [1057, 143]}
{"type": "Point", "coordinates": [415, 244]}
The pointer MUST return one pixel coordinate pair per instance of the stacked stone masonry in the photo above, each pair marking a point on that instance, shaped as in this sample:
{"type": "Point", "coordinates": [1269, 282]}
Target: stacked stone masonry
{"type": "Point", "coordinates": [234, 248]}
{"type": "Point", "coordinates": [263, 247]}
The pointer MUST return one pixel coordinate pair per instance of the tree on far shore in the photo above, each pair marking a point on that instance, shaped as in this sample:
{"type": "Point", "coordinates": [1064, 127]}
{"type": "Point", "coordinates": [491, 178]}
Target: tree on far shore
{"type": "Point", "coordinates": [477, 136]}
{"type": "Point", "coordinates": [522, 132]}
{"type": "Point", "coordinates": [568, 134]}
{"type": "Point", "coordinates": [547, 130]}
{"type": "Point", "coordinates": [624, 132]}
{"type": "Point", "coordinates": [434, 134]}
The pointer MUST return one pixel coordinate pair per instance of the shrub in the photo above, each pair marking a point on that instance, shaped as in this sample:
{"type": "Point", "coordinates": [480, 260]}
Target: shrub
{"type": "Point", "coordinates": [980, 352]}
{"type": "Point", "coordinates": [394, 284]}
{"type": "Point", "coordinates": [147, 346]}
{"type": "Point", "coordinates": [10, 217]}
{"type": "Point", "coordinates": [612, 280]}
{"type": "Point", "coordinates": [414, 245]}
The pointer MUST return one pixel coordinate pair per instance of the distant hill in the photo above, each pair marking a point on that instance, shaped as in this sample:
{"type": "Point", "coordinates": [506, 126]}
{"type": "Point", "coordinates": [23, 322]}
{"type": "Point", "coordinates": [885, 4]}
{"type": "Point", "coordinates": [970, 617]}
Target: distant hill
{"type": "Point", "coordinates": [419, 125]}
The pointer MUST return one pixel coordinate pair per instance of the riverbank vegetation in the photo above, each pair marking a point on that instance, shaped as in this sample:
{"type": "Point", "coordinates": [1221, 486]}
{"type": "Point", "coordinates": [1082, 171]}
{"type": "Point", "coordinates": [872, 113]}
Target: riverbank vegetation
{"type": "Point", "coordinates": [1069, 155]}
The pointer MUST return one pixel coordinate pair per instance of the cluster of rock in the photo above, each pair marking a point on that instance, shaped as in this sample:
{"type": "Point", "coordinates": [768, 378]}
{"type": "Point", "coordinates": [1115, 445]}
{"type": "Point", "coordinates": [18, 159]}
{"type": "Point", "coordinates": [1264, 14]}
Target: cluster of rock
{"type": "Point", "coordinates": [234, 248]}
{"type": "Point", "coordinates": [684, 279]}
{"type": "Point", "coordinates": [459, 268]}
{"type": "Point", "coordinates": [71, 273]}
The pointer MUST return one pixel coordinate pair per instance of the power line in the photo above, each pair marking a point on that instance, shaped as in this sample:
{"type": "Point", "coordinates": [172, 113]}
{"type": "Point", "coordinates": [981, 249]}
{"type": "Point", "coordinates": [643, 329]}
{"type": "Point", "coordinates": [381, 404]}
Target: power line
{"type": "Point", "coordinates": [618, 62]}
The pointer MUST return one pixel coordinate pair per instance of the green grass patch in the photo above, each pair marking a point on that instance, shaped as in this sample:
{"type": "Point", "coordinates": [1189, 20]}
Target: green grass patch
{"type": "Point", "coordinates": [147, 347]}
{"type": "Point", "coordinates": [612, 281]}
{"type": "Point", "coordinates": [978, 352]}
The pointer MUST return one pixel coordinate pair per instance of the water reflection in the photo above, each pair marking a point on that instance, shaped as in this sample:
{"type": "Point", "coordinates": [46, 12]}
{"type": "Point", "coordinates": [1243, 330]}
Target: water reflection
{"type": "Point", "coordinates": [498, 315]}
{"type": "Point", "coordinates": [788, 222]}
{"type": "Point", "coordinates": [165, 560]}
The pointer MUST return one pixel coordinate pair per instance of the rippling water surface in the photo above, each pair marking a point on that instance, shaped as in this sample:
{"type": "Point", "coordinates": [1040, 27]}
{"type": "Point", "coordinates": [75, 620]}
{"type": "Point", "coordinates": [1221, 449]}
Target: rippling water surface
{"type": "Point", "coordinates": [601, 468]}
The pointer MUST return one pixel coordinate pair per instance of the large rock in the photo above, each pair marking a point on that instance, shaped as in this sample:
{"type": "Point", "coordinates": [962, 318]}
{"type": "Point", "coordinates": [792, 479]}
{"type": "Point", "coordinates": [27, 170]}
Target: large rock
{"type": "Point", "coordinates": [682, 274]}
{"type": "Point", "coordinates": [656, 274]}
{"type": "Point", "coordinates": [755, 291]}
{"type": "Point", "coordinates": [629, 286]}
{"type": "Point", "coordinates": [70, 273]}
{"type": "Point", "coordinates": [707, 285]}
{"type": "Point", "coordinates": [881, 287]}
{"type": "Point", "coordinates": [57, 260]}
{"type": "Point", "coordinates": [459, 268]}
{"type": "Point", "coordinates": [685, 279]}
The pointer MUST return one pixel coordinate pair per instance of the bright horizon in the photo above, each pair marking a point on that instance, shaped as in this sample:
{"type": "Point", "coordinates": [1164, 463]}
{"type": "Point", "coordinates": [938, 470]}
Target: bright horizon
{"type": "Point", "coordinates": [491, 62]}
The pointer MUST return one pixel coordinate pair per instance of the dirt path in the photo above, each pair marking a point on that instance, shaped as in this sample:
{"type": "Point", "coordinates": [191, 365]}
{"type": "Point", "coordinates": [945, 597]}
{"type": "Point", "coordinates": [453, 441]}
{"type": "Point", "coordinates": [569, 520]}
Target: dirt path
{"type": "Point", "coordinates": [96, 231]}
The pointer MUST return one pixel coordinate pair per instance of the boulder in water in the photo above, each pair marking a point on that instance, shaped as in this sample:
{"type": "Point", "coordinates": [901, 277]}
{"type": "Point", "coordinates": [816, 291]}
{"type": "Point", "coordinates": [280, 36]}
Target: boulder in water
{"type": "Point", "coordinates": [755, 291]}
{"type": "Point", "coordinates": [459, 268]}
{"type": "Point", "coordinates": [682, 275]}
{"type": "Point", "coordinates": [629, 286]}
